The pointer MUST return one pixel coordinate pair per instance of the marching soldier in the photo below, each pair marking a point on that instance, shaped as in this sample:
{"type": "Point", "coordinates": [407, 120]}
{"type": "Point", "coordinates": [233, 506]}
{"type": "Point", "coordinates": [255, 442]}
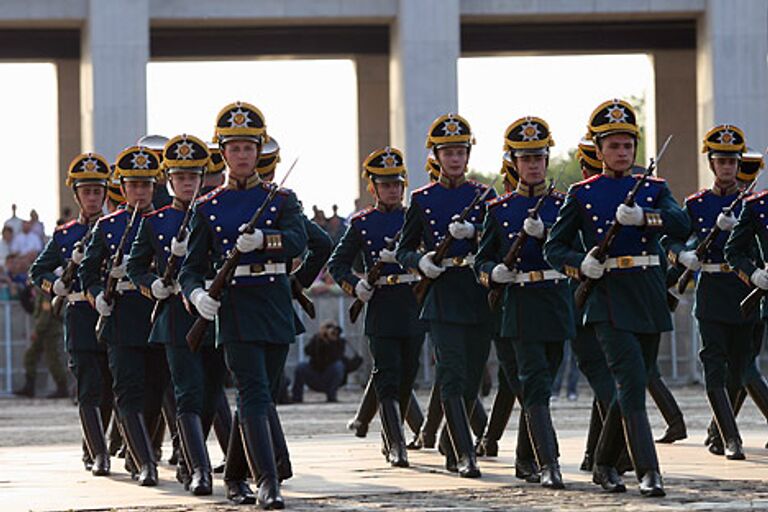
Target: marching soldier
{"type": "Point", "coordinates": [531, 287]}
{"type": "Point", "coordinates": [139, 371]}
{"type": "Point", "coordinates": [460, 323]}
{"type": "Point", "coordinates": [197, 378]}
{"type": "Point", "coordinates": [115, 195]}
{"type": "Point", "coordinates": [161, 196]}
{"type": "Point", "coordinates": [87, 176]}
{"type": "Point", "coordinates": [628, 307]}
{"type": "Point", "coordinates": [254, 318]}
{"type": "Point", "coordinates": [392, 325]}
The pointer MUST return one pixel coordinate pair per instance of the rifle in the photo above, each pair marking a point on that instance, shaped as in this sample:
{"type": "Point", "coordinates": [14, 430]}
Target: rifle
{"type": "Point", "coordinates": [586, 286]}
{"type": "Point", "coordinates": [704, 245]}
{"type": "Point", "coordinates": [510, 259]}
{"type": "Point", "coordinates": [69, 274]}
{"type": "Point", "coordinates": [227, 270]}
{"type": "Point", "coordinates": [372, 277]}
{"type": "Point", "coordinates": [172, 265]}
{"type": "Point", "coordinates": [297, 291]}
{"type": "Point", "coordinates": [111, 285]}
{"type": "Point", "coordinates": [420, 289]}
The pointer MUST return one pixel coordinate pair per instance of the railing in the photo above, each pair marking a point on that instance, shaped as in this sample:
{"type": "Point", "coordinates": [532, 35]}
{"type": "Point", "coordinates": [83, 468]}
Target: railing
{"type": "Point", "coordinates": [15, 332]}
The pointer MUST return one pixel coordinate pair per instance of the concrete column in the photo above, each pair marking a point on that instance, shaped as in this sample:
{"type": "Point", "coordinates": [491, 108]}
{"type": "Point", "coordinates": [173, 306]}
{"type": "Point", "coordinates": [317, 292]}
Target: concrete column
{"type": "Point", "coordinates": [372, 113]}
{"type": "Point", "coordinates": [424, 50]}
{"type": "Point", "coordinates": [115, 51]}
{"type": "Point", "coordinates": [732, 75]}
{"type": "Point", "coordinates": [675, 112]}
{"type": "Point", "coordinates": [68, 90]}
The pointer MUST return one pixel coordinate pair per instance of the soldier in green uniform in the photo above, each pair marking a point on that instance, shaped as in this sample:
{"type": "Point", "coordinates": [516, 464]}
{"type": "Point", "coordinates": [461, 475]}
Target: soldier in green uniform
{"type": "Point", "coordinates": [139, 370]}
{"type": "Point", "coordinates": [254, 318]}
{"type": "Point", "coordinates": [87, 175]}
{"type": "Point", "coordinates": [394, 331]}
{"type": "Point", "coordinates": [531, 288]}
{"type": "Point", "coordinates": [628, 307]}
{"type": "Point", "coordinates": [460, 323]}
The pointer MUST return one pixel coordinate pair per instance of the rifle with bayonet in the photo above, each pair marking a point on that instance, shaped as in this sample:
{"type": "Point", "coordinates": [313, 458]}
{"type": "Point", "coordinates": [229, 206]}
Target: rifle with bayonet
{"type": "Point", "coordinates": [420, 289]}
{"type": "Point", "coordinates": [111, 286]}
{"type": "Point", "coordinates": [372, 277]}
{"type": "Point", "coordinates": [226, 272]}
{"type": "Point", "coordinates": [510, 259]}
{"type": "Point", "coordinates": [601, 254]}
{"type": "Point", "coordinates": [69, 274]}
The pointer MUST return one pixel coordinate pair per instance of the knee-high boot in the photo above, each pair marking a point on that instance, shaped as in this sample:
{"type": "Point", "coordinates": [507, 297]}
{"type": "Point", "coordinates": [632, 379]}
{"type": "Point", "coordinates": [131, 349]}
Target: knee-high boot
{"type": "Point", "coordinates": [609, 447]}
{"type": "Point", "coordinates": [195, 452]}
{"type": "Point", "coordinates": [497, 423]}
{"type": "Point", "coordinates": [669, 409]}
{"type": "Point", "coordinates": [365, 411]}
{"type": "Point", "coordinates": [140, 448]}
{"type": "Point", "coordinates": [389, 411]}
{"type": "Point", "coordinates": [257, 440]}
{"type": "Point", "coordinates": [726, 424]}
{"type": "Point", "coordinates": [593, 434]}
{"type": "Point", "coordinates": [282, 456]}
{"type": "Point", "coordinates": [222, 427]}
{"type": "Point", "coordinates": [543, 435]}
{"type": "Point", "coordinates": [460, 437]}
{"type": "Point", "coordinates": [93, 432]}
{"type": "Point", "coordinates": [428, 434]}
{"type": "Point", "coordinates": [236, 468]}
{"type": "Point", "coordinates": [639, 438]}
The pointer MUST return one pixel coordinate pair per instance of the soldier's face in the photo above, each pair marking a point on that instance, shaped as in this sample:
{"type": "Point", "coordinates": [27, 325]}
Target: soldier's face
{"type": "Point", "coordinates": [138, 193]}
{"type": "Point", "coordinates": [241, 157]}
{"type": "Point", "coordinates": [725, 169]}
{"type": "Point", "coordinates": [453, 160]}
{"type": "Point", "coordinates": [90, 197]}
{"type": "Point", "coordinates": [390, 193]}
{"type": "Point", "coordinates": [617, 152]}
{"type": "Point", "coordinates": [185, 185]}
{"type": "Point", "coordinates": [532, 168]}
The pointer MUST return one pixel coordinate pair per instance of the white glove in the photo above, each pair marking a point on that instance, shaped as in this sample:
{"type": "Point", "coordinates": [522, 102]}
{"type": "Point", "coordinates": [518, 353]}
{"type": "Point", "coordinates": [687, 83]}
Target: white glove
{"type": "Point", "coordinates": [630, 215]}
{"type": "Point", "coordinates": [459, 230]}
{"type": "Point", "coordinates": [249, 242]}
{"type": "Point", "coordinates": [363, 290]}
{"type": "Point", "coordinates": [760, 278]}
{"type": "Point", "coordinates": [77, 255]}
{"type": "Point", "coordinates": [591, 266]}
{"type": "Point", "coordinates": [59, 288]}
{"type": "Point", "coordinates": [162, 292]}
{"type": "Point", "coordinates": [502, 274]}
{"type": "Point", "coordinates": [689, 260]}
{"type": "Point", "coordinates": [206, 305]}
{"type": "Point", "coordinates": [726, 222]}
{"type": "Point", "coordinates": [428, 267]}
{"type": "Point", "coordinates": [179, 249]}
{"type": "Point", "coordinates": [534, 227]}
{"type": "Point", "coordinates": [387, 256]}
{"type": "Point", "coordinates": [118, 271]}
{"type": "Point", "coordinates": [102, 306]}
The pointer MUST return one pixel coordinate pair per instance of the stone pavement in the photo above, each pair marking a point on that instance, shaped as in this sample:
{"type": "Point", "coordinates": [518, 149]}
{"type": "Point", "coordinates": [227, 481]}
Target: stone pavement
{"type": "Point", "coordinates": [335, 471]}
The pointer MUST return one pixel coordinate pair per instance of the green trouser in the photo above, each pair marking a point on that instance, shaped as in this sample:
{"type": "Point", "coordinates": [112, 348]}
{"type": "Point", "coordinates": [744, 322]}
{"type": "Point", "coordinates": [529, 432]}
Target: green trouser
{"type": "Point", "coordinates": [47, 341]}
{"type": "Point", "coordinates": [726, 351]}
{"type": "Point", "coordinates": [505, 353]}
{"type": "Point", "coordinates": [395, 365]}
{"type": "Point", "coordinates": [461, 351]}
{"type": "Point", "coordinates": [592, 364]}
{"type": "Point", "coordinates": [537, 363]}
{"type": "Point", "coordinates": [630, 357]}
{"type": "Point", "coordinates": [255, 367]}
{"type": "Point", "coordinates": [94, 379]}
{"type": "Point", "coordinates": [197, 378]}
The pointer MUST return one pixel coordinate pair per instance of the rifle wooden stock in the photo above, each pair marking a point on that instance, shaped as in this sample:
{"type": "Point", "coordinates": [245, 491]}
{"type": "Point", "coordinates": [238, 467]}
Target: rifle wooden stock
{"type": "Point", "coordinates": [372, 277]}
{"type": "Point", "coordinates": [299, 296]}
{"type": "Point", "coordinates": [510, 259]}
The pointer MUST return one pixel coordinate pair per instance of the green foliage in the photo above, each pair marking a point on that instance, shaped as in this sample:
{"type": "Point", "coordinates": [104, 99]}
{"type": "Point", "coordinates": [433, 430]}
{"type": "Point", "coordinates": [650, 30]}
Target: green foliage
{"type": "Point", "coordinates": [487, 179]}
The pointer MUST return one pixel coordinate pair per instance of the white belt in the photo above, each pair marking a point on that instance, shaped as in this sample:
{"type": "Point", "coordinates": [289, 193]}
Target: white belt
{"type": "Point", "coordinates": [76, 297]}
{"type": "Point", "coordinates": [458, 261]}
{"type": "Point", "coordinates": [535, 276]}
{"type": "Point", "coordinates": [125, 286]}
{"type": "Point", "coordinates": [396, 279]}
{"type": "Point", "coordinates": [716, 268]}
{"type": "Point", "coordinates": [632, 261]}
{"type": "Point", "coordinates": [259, 269]}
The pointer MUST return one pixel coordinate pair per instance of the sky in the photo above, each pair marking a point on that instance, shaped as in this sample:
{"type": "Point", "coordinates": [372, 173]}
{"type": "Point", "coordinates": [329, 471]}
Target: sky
{"type": "Point", "coordinates": [184, 97]}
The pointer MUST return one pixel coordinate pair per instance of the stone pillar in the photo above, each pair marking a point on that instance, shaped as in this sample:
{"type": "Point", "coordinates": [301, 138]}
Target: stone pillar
{"type": "Point", "coordinates": [732, 75]}
{"type": "Point", "coordinates": [113, 79]}
{"type": "Point", "coordinates": [372, 114]}
{"type": "Point", "coordinates": [675, 112]}
{"type": "Point", "coordinates": [424, 50]}
{"type": "Point", "coordinates": [68, 90]}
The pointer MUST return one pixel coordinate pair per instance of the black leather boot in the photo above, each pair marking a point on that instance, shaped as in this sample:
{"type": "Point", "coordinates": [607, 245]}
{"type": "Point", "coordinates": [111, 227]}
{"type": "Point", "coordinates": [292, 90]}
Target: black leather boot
{"type": "Point", "coordinates": [758, 391]}
{"type": "Point", "coordinates": [222, 427]}
{"type": "Point", "coordinates": [445, 449]}
{"type": "Point", "coordinates": [257, 440]}
{"type": "Point", "coordinates": [86, 458]}
{"type": "Point", "coordinates": [593, 434]}
{"type": "Point", "coordinates": [726, 424]}
{"type": "Point", "coordinates": [392, 428]}
{"type": "Point", "coordinates": [28, 389]}
{"type": "Point", "coordinates": [140, 447]}
{"type": "Point", "coordinates": [640, 440]}
{"type": "Point", "coordinates": [414, 418]}
{"type": "Point", "coordinates": [713, 441]}
{"type": "Point", "coordinates": [115, 436]}
{"type": "Point", "coordinates": [545, 445]}
{"type": "Point", "coordinates": [365, 411]}
{"type": "Point", "coordinates": [195, 452]}
{"type": "Point", "coordinates": [428, 434]}
{"type": "Point", "coordinates": [236, 469]}
{"type": "Point", "coordinates": [526, 467]}
{"type": "Point", "coordinates": [478, 419]}
{"type": "Point", "coordinates": [610, 445]}
{"type": "Point", "coordinates": [669, 409]}
{"type": "Point", "coordinates": [457, 422]}
{"type": "Point", "coordinates": [282, 456]}
{"type": "Point", "coordinates": [497, 423]}
{"type": "Point", "coordinates": [93, 432]}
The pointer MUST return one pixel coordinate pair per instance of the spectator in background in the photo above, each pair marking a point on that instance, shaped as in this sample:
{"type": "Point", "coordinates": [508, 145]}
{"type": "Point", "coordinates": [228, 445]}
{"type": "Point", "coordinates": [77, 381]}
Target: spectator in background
{"type": "Point", "coordinates": [66, 216]}
{"type": "Point", "coordinates": [570, 366]}
{"type": "Point", "coordinates": [5, 246]}
{"type": "Point", "coordinates": [325, 371]}
{"type": "Point", "coordinates": [26, 243]}
{"type": "Point", "coordinates": [14, 222]}
{"type": "Point", "coordinates": [335, 225]}
{"type": "Point", "coordinates": [37, 226]}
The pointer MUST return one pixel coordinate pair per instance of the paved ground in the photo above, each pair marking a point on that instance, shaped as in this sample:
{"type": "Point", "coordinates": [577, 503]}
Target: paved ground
{"type": "Point", "coordinates": [40, 469]}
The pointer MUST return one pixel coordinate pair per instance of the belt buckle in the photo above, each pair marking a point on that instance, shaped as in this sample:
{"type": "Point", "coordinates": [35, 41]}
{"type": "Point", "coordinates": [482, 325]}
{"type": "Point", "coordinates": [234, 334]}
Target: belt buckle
{"type": "Point", "coordinates": [458, 261]}
{"type": "Point", "coordinates": [625, 262]}
{"type": "Point", "coordinates": [725, 267]}
{"type": "Point", "coordinates": [256, 268]}
{"type": "Point", "coordinates": [535, 275]}
{"type": "Point", "coordinates": [393, 279]}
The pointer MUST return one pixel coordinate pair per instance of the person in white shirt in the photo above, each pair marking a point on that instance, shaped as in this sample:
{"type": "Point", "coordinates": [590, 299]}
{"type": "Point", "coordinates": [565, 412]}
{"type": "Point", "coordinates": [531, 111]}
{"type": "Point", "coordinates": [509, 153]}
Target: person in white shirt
{"type": "Point", "coordinates": [26, 243]}
{"type": "Point", "coordinates": [14, 222]}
